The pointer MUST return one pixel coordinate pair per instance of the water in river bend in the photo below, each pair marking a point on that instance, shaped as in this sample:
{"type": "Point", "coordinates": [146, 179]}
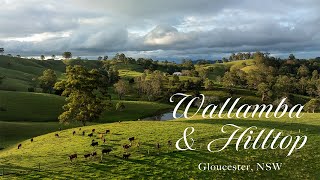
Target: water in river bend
{"type": "Point", "coordinates": [161, 117]}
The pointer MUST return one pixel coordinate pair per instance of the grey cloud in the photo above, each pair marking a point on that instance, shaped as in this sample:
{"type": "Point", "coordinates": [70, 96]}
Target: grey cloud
{"type": "Point", "coordinates": [214, 27]}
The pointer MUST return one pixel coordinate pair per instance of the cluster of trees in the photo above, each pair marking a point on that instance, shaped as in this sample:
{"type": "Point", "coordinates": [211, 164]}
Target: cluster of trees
{"type": "Point", "coordinates": [150, 87]}
{"type": "Point", "coordinates": [274, 78]}
{"type": "Point", "coordinates": [100, 58]}
{"type": "Point", "coordinates": [240, 56]}
{"type": "Point", "coordinates": [65, 55]}
{"type": "Point", "coordinates": [156, 85]}
{"type": "Point", "coordinates": [149, 64]}
{"type": "Point", "coordinates": [204, 61]}
{"type": "Point", "coordinates": [249, 55]}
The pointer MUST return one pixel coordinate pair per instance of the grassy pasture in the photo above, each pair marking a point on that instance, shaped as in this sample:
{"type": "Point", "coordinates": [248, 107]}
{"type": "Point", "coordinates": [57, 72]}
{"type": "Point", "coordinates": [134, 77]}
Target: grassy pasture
{"type": "Point", "coordinates": [14, 132]}
{"type": "Point", "coordinates": [130, 67]}
{"type": "Point", "coordinates": [19, 72]}
{"type": "Point", "coordinates": [52, 153]}
{"type": "Point", "coordinates": [31, 114]}
{"type": "Point", "coordinates": [218, 69]}
{"type": "Point", "coordinates": [25, 106]}
{"type": "Point", "coordinates": [40, 107]}
{"type": "Point", "coordinates": [125, 73]}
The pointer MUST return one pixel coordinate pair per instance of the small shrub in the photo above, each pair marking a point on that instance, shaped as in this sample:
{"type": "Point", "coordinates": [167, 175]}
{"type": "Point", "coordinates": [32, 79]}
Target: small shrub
{"type": "Point", "coordinates": [31, 89]}
{"type": "Point", "coordinates": [120, 106]}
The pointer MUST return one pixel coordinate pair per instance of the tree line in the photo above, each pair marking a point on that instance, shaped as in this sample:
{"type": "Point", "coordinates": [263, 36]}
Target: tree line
{"type": "Point", "coordinates": [86, 89]}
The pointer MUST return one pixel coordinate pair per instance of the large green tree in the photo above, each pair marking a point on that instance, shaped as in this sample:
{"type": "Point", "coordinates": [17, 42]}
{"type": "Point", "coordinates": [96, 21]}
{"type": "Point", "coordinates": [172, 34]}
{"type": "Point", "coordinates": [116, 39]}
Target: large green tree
{"type": "Point", "coordinates": [67, 55]}
{"type": "Point", "coordinates": [284, 85]}
{"type": "Point", "coordinates": [85, 91]}
{"type": "Point", "coordinates": [203, 73]}
{"type": "Point", "coordinates": [122, 87]}
{"type": "Point", "coordinates": [208, 84]}
{"type": "Point", "coordinates": [47, 80]}
{"type": "Point", "coordinates": [264, 91]}
{"type": "Point", "coordinates": [303, 71]}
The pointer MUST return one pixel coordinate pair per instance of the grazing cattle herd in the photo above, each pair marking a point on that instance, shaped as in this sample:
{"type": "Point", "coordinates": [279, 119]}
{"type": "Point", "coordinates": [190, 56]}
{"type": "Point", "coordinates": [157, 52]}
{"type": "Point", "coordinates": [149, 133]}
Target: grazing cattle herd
{"type": "Point", "coordinates": [104, 151]}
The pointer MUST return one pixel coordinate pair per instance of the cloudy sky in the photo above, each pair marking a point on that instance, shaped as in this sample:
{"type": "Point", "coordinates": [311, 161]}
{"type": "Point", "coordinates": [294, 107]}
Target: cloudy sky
{"type": "Point", "coordinates": [160, 29]}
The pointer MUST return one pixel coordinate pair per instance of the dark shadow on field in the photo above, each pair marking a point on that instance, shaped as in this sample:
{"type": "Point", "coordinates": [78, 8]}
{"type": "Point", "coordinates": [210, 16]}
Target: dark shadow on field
{"type": "Point", "coordinates": [287, 126]}
{"type": "Point", "coordinates": [155, 163]}
{"type": "Point", "coordinates": [13, 171]}
{"type": "Point", "coordinates": [116, 134]}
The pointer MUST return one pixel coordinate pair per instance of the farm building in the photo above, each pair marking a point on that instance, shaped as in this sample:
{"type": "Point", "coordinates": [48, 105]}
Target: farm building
{"type": "Point", "coordinates": [177, 73]}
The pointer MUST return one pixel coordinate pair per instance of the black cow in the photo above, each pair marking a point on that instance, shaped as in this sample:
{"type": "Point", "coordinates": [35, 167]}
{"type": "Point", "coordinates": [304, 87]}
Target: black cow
{"type": "Point", "coordinates": [131, 139]}
{"type": "Point", "coordinates": [87, 155]}
{"type": "Point", "coordinates": [126, 146]}
{"type": "Point", "coordinates": [106, 151]}
{"type": "Point", "coordinates": [73, 156]}
{"type": "Point", "coordinates": [94, 144]}
{"type": "Point", "coordinates": [94, 154]}
{"type": "Point", "coordinates": [126, 156]}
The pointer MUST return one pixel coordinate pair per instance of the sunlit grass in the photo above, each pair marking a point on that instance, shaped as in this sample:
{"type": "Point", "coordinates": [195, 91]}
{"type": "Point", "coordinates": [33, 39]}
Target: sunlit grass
{"type": "Point", "coordinates": [52, 153]}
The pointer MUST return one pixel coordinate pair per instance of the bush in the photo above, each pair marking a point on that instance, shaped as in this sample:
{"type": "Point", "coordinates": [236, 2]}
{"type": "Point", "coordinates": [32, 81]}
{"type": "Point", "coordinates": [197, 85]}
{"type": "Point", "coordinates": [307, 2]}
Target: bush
{"type": "Point", "coordinates": [120, 106]}
{"type": "Point", "coordinates": [312, 105]}
{"type": "Point", "coordinates": [31, 89]}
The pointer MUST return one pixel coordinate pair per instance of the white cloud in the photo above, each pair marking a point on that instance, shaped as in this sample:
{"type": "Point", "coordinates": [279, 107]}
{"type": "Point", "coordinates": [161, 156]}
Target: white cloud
{"type": "Point", "coordinates": [39, 37]}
